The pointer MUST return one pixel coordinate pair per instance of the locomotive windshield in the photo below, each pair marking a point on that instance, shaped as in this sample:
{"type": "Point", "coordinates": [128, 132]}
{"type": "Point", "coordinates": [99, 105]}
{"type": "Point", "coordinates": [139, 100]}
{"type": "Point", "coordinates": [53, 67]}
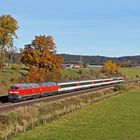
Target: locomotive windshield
{"type": "Point", "coordinates": [14, 87]}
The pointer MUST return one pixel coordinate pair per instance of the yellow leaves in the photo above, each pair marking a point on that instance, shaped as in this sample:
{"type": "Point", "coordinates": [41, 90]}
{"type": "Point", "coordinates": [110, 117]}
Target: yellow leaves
{"type": "Point", "coordinates": [110, 68]}
{"type": "Point", "coordinates": [9, 23]}
{"type": "Point", "coordinates": [8, 26]}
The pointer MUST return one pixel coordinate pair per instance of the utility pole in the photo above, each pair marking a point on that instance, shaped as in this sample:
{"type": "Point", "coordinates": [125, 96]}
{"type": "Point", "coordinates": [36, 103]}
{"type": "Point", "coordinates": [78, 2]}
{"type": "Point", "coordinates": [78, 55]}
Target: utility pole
{"type": "Point", "coordinates": [81, 60]}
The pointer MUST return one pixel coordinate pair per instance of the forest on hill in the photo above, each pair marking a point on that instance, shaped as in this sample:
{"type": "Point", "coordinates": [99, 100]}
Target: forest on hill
{"type": "Point", "coordinates": [99, 60]}
{"type": "Point", "coordinates": [93, 60]}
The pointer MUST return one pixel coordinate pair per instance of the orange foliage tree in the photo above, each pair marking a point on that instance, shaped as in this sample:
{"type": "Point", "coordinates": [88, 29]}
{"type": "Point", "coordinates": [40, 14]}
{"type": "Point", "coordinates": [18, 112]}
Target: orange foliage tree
{"type": "Point", "coordinates": [110, 68]}
{"type": "Point", "coordinates": [41, 58]}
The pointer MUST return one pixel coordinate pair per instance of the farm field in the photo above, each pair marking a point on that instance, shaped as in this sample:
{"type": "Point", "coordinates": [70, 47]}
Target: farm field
{"type": "Point", "coordinates": [115, 118]}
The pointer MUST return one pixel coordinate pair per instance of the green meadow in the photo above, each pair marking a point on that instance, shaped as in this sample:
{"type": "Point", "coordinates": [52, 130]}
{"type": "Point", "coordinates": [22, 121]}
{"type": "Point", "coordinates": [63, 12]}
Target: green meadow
{"type": "Point", "coordinates": [117, 118]}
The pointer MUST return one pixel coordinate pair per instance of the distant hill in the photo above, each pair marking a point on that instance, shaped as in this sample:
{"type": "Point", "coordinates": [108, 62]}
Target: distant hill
{"type": "Point", "coordinates": [99, 60]}
{"type": "Point", "coordinates": [93, 60]}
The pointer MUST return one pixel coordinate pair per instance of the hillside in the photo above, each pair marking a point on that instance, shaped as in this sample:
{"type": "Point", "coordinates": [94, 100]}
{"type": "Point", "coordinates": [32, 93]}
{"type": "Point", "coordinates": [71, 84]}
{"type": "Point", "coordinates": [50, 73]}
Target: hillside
{"type": "Point", "coordinates": [94, 60]}
{"type": "Point", "coordinates": [99, 60]}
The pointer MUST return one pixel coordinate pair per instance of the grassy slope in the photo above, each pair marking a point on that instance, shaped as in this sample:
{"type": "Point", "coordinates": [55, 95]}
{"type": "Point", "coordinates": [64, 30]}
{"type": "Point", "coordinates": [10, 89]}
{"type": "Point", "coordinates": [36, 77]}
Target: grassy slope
{"type": "Point", "coordinates": [130, 72]}
{"type": "Point", "coordinates": [5, 79]}
{"type": "Point", "coordinates": [8, 77]}
{"type": "Point", "coordinates": [115, 118]}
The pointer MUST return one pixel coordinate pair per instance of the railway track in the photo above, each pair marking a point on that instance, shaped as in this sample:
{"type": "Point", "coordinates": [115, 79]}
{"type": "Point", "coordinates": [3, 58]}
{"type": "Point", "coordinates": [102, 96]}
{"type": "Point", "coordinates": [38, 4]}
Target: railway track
{"type": "Point", "coordinates": [7, 106]}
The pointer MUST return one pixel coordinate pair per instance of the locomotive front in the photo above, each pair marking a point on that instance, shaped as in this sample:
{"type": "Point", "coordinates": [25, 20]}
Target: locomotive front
{"type": "Point", "coordinates": [13, 93]}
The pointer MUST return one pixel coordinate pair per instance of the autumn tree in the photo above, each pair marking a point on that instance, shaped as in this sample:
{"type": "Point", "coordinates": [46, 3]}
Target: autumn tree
{"type": "Point", "coordinates": [110, 68]}
{"type": "Point", "coordinates": [8, 27]}
{"type": "Point", "coordinates": [40, 55]}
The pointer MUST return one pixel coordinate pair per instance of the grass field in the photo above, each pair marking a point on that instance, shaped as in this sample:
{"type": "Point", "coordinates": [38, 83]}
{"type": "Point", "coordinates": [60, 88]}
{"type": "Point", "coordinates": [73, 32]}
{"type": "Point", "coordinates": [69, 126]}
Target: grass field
{"type": "Point", "coordinates": [117, 118]}
{"type": "Point", "coordinates": [8, 77]}
{"type": "Point", "coordinates": [131, 73]}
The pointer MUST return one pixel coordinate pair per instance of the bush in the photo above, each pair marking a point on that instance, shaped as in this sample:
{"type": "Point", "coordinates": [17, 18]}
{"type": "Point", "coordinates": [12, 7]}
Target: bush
{"type": "Point", "coordinates": [2, 65]}
{"type": "Point", "coordinates": [12, 80]}
{"type": "Point", "coordinates": [119, 87]}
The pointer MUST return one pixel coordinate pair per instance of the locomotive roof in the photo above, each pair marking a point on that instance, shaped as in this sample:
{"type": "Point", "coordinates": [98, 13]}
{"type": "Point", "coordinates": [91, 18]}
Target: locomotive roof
{"type": "Point", "coordinates": [35, 84]}
{"type": "Point", "coordinates": [25, 84]}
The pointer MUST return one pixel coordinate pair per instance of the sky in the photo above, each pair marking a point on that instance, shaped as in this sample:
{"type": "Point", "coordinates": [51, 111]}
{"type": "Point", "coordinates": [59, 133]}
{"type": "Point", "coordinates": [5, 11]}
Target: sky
{"type": "Point", "coordinates": [82, 27]}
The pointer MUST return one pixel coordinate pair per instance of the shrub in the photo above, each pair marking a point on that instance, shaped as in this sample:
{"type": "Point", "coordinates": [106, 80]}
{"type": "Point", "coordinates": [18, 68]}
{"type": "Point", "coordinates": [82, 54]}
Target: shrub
{"type": "Point", "coordinates": [2, 65]}
{"type": "Point", "coordinates": [12, 80]}
{"type": "Point", "coordinates": [110, 68]}
{"type": "Point", "coordinates": [119, 87]}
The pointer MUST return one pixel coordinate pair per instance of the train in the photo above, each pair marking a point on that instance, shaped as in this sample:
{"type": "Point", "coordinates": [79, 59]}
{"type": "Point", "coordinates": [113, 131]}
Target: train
{"type": "Point", "coordinates": [19, 92]}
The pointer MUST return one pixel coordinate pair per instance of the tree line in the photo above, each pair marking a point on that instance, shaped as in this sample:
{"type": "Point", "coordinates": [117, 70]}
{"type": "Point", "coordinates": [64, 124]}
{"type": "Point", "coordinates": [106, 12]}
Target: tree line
{"type": "Point", "coordinates": [125, 61]}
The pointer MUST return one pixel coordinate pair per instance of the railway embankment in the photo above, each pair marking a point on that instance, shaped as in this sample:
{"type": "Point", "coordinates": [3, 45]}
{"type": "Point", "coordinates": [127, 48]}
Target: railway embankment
{"type": "Point", "coordinates": [22, 119]}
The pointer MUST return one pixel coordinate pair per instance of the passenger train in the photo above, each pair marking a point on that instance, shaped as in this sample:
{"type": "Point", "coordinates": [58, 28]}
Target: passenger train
{"type": "Point", "coordinates": [26, 91]}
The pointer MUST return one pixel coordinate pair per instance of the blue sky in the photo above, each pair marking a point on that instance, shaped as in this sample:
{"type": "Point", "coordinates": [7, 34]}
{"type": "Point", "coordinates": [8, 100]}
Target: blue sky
{"type": "Point", "coordinates": [85, 27]}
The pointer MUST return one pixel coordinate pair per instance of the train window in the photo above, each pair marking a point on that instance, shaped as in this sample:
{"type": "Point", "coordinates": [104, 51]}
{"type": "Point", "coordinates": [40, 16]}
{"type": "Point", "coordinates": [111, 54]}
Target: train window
{"type": "Point", "coordinates": [36, 86]}
{"type": "Point", "coordinates": [107, 80]}
{"type": "Point", "coordinates": [14, 87]}
{"type": "Point", "coordinates": [33, 86]}
{"type": "Point", "coordinates": [86, 83]}
{"type": "Point", "coordinates": [68, 85]}
{"type": "Point", "coordinates": [115, 78]}
{"type": "Point", "coordinates": [24, 87]}
{"type": "Point", "coordinates": [98, 82]}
